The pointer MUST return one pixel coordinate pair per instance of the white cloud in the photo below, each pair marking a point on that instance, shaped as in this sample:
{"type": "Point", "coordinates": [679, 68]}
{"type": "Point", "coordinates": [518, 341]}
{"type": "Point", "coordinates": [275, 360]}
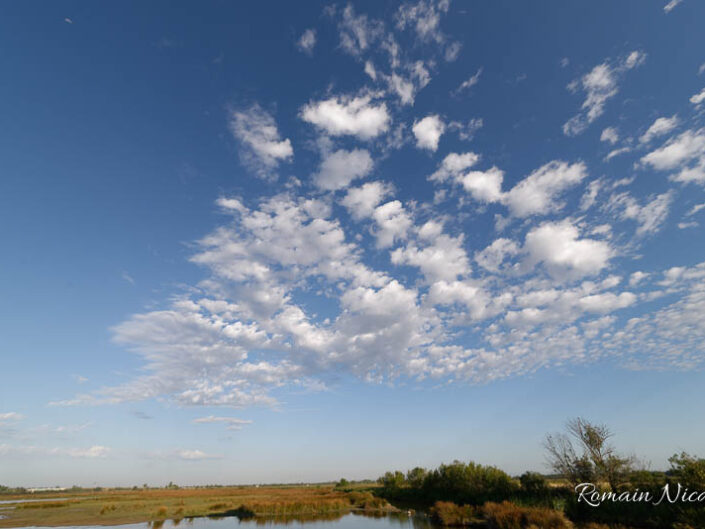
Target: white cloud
{"type": "Point", "coordinates": [10, 416]}
{"type": "Point", "coordinates": [341, 167]}
{"type": "Point", "coordinates": [93, 452]}
{"type": "Point", "coordinates": [564, 254]}
{"type": "Point", "coordinates": [617, 152]}
{"type": "Point", "coordinates": [484, 186]}
{"type": "Point", "coordinates": [492, 257]}
{"type": "Point", "coordinates": [610, 135]}
{"type": "Point", "coordinates": [232, 423]}
{"type": "Point", "coordinates": [358, 32]}
{"type": "Point", "coordinates": [466, 131]}
{"type": "Point", "coordinates": [698, 98]}
{"type": "Point", "coordinates": [428, 132]}
{"type": "Point", "coordinates": [362, 201]}
{"type": "Point", "coordinates": [599, 86]}
{"type": "Point", "coordinates": [355, 116]}
{"type": "Point", "coordinates": [452, 51]}
{"type": "Point", "coordinates": [393, 222]}
{"type": "Point", "coordinates": [538, 193]}
{"type": "Point", "coordinates": [443, 259]}
{"type": "Point", "coordinates": [454, 164]}
{"type": "Point", "coordinates": [424, 16]}
{"type": "Point", "coordinates": [469, 83]}
{"type": "Point", "coordinates": [685, 152]}
{"type": "Point", "coordinates": [671, 5]}
{"type": "Point", "coordinates": [195, 455]}
{"type": "Point", "coordinates": [659, 127]}
{"type": "Point", "coordinates": [697, 207]}
{"type": "Point", "coordinates": [650, 216]}
{"type": "Point", "coordinates": [307, 41]}
{"type": "Point", "coordinates": [262, 148]}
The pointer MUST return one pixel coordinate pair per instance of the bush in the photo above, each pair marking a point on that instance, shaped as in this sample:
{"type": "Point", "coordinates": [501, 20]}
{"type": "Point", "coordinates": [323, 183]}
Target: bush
{"type": "Point", "coordinates": [448, 513]}
{"type": "Point", "coordinates": [533, 484]}
{"type": "Point", "coordinates": [506, 515]}
{"type": "Point", "coordinates": [468, 483]}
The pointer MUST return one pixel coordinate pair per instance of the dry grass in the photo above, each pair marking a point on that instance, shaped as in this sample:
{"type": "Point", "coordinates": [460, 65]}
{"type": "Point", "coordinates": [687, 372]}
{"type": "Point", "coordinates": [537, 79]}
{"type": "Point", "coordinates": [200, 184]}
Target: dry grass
{"type": "Point", "coordinates": [507, 515]}
{"type": "Point", "coordinates": [113, 507]}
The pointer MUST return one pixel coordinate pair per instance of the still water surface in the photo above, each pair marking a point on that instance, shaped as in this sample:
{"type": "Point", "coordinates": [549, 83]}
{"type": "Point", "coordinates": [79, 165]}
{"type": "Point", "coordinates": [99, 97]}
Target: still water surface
{"type": "Point", "coordinates": [347, 521]}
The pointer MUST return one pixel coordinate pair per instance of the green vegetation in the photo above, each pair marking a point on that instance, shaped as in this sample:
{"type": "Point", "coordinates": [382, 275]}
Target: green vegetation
{"type": "Point", "coordinates": [471, 494]}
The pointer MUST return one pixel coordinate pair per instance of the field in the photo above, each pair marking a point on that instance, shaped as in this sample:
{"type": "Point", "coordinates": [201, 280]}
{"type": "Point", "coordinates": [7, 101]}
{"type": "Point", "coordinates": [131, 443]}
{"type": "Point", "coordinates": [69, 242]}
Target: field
{"type": "Point", "coordinates": [117, 506]}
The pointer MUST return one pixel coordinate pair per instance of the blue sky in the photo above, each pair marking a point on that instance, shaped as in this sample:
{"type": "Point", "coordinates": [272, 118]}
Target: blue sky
{"type": "Point", "coordinates": [294, 242]}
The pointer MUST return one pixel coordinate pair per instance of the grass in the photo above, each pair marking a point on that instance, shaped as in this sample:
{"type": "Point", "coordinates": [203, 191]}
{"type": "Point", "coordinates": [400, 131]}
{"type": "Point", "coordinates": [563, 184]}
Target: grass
{"type": "Point", "coordinates": [113, 507]}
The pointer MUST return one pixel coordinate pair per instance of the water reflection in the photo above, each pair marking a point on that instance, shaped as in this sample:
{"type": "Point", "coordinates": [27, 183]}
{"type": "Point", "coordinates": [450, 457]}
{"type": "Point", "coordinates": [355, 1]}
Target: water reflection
{"type": "Point", "coordinates": [354, 520]}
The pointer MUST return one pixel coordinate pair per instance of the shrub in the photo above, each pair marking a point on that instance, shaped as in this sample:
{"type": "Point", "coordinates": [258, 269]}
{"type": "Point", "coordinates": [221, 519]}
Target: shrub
{"type": "Point", "coordinates": [161, 511]}
{"type": "Point", "coordinates": [449, 513]}
{"type": "Point", "coordinates": [506, 515]}
{"type": "Point", "coordinates": [534, 484]}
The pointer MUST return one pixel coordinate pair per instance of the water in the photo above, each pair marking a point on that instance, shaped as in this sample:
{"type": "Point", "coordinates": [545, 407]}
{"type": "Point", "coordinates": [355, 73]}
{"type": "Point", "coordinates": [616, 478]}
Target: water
{"type": "Point", "coordinates": [346, 521]}
{"type": "Point", "coordinates": [5, 502]}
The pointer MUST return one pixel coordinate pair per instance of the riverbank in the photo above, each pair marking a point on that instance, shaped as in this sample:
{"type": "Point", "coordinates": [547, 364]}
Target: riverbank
{"type": "Point", "coordinates": [119, 506]}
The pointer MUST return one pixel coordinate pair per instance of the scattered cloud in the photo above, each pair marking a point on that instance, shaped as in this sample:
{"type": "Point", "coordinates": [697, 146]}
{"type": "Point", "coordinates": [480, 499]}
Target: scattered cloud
{"type": "Point", "coordinates": [671, 5]}
{"type": "Point", "coordinates": [684, 153]}
{"type": "Point", "coordinates": [307, 41]}
{"type": "Point", "coordinates": [659, 127]}
{"type": "Point", "coordinates": [610, 135]}
{"type": "Point", "coordinates": [468, 83]}
{"type": "Point", "coordinates": [599, 86]}
{"type": "Point", "coordinates": [698, 98]}
{"type": "Point", "coordinates": [231, 423]}
{"type": "Point", "coordinates": [262, 149]}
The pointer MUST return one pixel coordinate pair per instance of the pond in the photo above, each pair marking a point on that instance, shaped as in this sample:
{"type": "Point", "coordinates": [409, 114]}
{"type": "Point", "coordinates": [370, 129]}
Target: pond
{"type": "Point", "coordinates": [346, 521]}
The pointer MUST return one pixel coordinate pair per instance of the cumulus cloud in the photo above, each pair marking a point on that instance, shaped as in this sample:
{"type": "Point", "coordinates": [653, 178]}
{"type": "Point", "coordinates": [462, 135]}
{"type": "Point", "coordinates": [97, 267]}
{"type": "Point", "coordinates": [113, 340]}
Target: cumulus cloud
{"type": "Point", "coordinates": [492, 257]}
{"type": "Point", "coordinates": [362, 201]}
{"type": "Point", "coordinates": [428, 132]}
{"type": "Point", "coordinates": [537, 194]}
{"type": "Point", "coordinates": [393, 222]}
{"type": "Point", "coordinates": [262, 148]}
{"type": "Point", "coordinates": [354, 116]}
{"type": "Point", "coordinates": [564, 254]}
{"type": "Point", "coordinates": [599, 86]}
{"type": "Point", "coordinates": [610, 135]}
{"type": "Point", "coordinates": [338, 169]}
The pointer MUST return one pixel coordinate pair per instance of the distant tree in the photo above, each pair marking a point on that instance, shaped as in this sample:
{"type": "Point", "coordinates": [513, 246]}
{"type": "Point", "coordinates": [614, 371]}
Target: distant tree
{"type": "Point", "coordinates": [533, 483]}
{"type": "Point", "coordinates": [688, 470]}
{"type": "Point", "coordinates": [342, 484]}
{"type": "Point", "coordinates": [392, 480]}
{"type": "Point", "coordinates": [416, 476]}
{"type": "Point", "coordinates": [598, 460]}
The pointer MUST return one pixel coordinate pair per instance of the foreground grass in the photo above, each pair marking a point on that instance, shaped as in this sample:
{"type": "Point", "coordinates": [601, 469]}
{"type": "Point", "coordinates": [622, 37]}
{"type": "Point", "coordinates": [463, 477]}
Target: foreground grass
{"type": "Point", "coordinates": [113, 507]}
